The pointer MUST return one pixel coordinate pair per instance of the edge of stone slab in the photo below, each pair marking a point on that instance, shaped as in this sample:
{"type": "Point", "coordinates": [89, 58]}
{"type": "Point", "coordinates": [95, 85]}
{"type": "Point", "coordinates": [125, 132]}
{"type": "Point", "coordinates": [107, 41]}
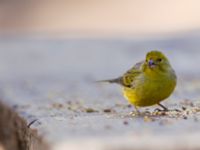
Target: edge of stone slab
{"type": "Point", "coordinates": [140, 142]}
{"type": "Point", "coordinates": [15, 134]}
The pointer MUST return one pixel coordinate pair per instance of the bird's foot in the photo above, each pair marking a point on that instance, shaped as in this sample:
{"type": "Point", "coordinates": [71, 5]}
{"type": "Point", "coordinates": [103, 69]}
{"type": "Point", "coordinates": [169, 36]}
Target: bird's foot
{"type": "Point", "coordinates": [164, 108]}
{"type": "Point", "coordinates": [159, 112]}
{"type": "Point", "coordinates": [164, 112]}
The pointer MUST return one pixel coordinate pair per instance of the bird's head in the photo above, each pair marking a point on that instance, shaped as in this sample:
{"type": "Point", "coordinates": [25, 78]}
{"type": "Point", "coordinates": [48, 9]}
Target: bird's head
{"type": "Point", "coordinates": [156, 61]}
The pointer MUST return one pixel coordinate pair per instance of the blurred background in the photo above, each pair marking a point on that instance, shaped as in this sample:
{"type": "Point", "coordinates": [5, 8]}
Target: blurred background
{"type": "Point", "coordinates": [99, 18]}
{"type": "Point", "coordinates": [105, 30]}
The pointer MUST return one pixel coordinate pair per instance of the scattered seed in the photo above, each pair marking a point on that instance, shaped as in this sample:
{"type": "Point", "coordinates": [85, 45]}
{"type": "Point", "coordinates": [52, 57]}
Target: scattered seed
{"type": "Point", "coordinates": [184, 108]}
{"type": "Point", "coordinates": [107, 110]}
{"type": "Point", "coordinates": [69, 108]}
{"type": "Point", "coordinates": [90, 110]}
{"type": "Point", "coordinates": [159, 113]}
{"type": "Point", "coordinates": [57, 105]}
{"type": "Point", "coordinates": [148, 119]}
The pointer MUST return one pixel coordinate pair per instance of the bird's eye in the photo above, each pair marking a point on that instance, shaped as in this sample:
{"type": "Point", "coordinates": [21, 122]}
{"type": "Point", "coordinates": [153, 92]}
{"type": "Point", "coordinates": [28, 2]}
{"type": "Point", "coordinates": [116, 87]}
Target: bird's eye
{"type": "Point", "coordinates": [159, 59]}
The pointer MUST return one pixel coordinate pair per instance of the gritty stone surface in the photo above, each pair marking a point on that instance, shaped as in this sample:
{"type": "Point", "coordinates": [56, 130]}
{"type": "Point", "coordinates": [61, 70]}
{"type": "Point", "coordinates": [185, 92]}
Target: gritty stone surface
{"type": "Point", "coordinates": [2, 147]}
{"type": "Point", "coordinates": [50, 83]}
{"type": "Point", "coordinates": [14, 133]}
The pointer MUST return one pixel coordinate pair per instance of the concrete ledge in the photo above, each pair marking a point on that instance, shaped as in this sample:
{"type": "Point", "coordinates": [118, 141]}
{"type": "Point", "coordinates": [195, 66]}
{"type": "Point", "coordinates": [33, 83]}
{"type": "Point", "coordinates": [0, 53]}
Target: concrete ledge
{"type": "Point", "coordinates": [14, 133]}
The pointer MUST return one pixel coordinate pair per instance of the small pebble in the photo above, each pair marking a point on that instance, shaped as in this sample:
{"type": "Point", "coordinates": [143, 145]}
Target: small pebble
{"type": "Point", "coordinates": [185, 117]}
{"type": "Point", "coordinates": [107, 110]}
{"type": "Point", "coordinates": [129, 106]}
{"type": "Point", "coordinates": [125, 122]}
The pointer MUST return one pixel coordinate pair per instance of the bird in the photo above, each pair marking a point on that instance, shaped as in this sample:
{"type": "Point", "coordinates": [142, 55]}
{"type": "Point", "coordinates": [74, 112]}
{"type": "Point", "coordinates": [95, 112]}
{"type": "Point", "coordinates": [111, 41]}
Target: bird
{"type": "Point", "coordinates": [148, 82]}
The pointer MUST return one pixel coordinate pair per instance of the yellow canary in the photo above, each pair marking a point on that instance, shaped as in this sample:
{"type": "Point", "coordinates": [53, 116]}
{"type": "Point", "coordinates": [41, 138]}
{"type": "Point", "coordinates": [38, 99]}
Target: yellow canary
{"type": "Point", "coordinates": [149, 82]}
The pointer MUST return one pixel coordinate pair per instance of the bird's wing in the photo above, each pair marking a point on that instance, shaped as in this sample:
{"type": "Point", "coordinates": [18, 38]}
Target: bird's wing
{"type": "Point", "coordinates": [128, 78]}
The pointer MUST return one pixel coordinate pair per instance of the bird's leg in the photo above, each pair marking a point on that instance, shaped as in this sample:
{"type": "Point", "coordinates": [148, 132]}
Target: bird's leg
{"type": "Point", "coordinates": [137, 110]}
{"type": "Point", "coordinates": [164, 108]}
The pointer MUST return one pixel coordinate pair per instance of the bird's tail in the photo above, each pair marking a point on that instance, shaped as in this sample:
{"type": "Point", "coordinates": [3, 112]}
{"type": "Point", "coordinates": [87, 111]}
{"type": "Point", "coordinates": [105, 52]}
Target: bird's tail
{"type": "Point", "coordinates": [116, 80]}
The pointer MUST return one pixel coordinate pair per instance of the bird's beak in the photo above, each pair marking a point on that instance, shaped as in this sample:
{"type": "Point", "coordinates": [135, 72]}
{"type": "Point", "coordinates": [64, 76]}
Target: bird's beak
{"type": "Point", "coordinates": [151, 63]}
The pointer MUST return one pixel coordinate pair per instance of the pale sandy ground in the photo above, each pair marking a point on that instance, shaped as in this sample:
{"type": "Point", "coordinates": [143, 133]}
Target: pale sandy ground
{"type": "Point", "coordinates": [99, 18]}
{"type": "Point", "coordinates": [52, 81]}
